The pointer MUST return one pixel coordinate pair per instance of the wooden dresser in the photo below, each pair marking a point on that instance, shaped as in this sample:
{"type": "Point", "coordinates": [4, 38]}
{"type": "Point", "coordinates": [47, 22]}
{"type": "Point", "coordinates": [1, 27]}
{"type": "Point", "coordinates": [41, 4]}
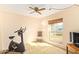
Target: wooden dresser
{"type": "Point", "coordinates": [72, 48]}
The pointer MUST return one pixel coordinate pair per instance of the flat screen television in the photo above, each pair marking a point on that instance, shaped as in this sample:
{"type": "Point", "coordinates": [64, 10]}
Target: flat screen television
{"type": "Point", "coordinates": [74, 37]}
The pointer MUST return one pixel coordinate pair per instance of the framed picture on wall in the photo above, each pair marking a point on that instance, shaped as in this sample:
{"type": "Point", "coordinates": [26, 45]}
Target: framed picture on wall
{"type": "Point", "coordinates": [39, 34]}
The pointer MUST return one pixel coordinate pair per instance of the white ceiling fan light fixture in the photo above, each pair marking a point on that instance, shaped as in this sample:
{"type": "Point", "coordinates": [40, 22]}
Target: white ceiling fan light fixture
{"type": "Point", "coordinates": [37, 10]}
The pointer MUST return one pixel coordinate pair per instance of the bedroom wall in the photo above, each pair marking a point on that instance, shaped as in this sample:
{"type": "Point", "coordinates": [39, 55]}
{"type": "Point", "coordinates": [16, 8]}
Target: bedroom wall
{"type": "Point", "coordinates": [0, 35]}
{"type": "Point", "coordinates": [33, 25]}
{"type": "Point", "coordinates": [70, 19]}
{"type": "Point", "coordinates": [9, 22]}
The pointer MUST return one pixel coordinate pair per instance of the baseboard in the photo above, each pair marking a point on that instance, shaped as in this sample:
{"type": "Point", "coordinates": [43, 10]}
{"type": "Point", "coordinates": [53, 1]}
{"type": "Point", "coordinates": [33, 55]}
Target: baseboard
{"type": "Point", "coordinates": [62, 46]}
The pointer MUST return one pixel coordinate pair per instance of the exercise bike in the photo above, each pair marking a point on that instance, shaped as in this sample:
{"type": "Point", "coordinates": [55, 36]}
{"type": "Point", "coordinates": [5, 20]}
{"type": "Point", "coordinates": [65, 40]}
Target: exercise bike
{"type": "Point", "coordinates": [14, 46]}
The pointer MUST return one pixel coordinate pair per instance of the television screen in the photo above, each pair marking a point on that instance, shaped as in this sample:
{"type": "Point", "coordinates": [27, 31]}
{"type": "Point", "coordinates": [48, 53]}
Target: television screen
{"type": "Point", "coordinates": [74, 37]}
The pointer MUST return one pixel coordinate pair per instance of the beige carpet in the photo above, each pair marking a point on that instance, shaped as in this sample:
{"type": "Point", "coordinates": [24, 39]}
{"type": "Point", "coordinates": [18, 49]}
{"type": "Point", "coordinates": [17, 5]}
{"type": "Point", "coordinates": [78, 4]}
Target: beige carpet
{"type": "Point", "coordinates": [40, 48]}
{"type": "Point", "coordinates": [43, 48]}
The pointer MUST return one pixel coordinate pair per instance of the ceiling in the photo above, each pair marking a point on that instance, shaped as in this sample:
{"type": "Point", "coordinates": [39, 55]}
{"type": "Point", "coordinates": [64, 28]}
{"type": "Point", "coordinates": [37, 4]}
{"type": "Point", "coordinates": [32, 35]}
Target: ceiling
{"type": "Point", "coordinates": [25, 10]}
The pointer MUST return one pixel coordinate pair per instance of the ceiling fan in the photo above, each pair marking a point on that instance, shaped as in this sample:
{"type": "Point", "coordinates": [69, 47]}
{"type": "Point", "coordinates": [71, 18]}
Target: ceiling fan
{"type": "Point", "coordinates": [37, 10]}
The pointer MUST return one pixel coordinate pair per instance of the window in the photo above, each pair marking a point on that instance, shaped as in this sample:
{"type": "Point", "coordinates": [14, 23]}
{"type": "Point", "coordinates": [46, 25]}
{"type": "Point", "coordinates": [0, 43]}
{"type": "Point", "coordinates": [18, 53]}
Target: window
{"type": "Point", "coordinates": [56, 31]}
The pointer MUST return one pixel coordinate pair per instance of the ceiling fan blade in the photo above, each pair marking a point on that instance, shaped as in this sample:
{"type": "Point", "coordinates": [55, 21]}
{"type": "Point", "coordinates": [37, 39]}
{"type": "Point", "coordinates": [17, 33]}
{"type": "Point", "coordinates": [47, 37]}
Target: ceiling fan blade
{"type": "Point", "coordinates": [38, 12]}
{"type": "Point", "coordinates": [31, 8]}
{"type": "Point", "coordinates": [41, 9]}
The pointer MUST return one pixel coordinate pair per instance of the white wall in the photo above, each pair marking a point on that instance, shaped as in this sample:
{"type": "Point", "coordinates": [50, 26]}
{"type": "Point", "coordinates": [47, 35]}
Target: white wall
{"type": "Point", "coordinates": [33, 25]}
{"type": "Point", "coordinates": [70, 19]}
{"type": "Point", "coordinates": [9, 22]}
